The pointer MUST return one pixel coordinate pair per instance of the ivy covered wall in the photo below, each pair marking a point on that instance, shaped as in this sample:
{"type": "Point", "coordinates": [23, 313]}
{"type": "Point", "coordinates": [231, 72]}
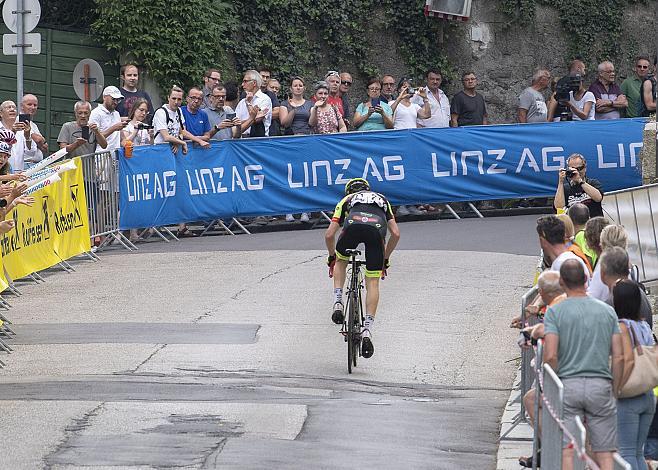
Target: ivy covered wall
{"type": "Point", "coordinates": [503, 42]}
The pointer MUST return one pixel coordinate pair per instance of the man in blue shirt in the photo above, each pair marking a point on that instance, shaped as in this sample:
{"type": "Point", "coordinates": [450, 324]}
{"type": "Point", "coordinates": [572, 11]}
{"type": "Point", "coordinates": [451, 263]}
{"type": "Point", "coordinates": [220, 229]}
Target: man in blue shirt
{"type": "Point", "coordinates": [196, 119]}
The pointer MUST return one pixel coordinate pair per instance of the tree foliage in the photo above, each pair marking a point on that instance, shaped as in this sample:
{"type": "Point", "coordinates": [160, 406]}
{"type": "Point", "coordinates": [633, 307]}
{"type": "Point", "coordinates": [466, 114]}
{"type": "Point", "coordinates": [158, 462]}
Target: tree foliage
{"type": "Point", "coordinates": [177, 41]}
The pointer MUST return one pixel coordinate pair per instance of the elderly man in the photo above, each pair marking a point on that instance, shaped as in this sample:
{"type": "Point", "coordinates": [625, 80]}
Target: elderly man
{"type": "Point", "coordinates": [30, 106]}
{"type": "Point", "coordinates": [532, 105]}
{"type": "Point", "coordinates": [222, 127]}
{"type": "Point", "coordinates": [130, 78]}
{"type": "Point", "coordinates": [196, 119]}
{"type": "Point", "coordinates": [211, 79]}
{"type": "Point", "coordinates": [614, 267]}
{"type": "Point", "coordinates": [551, 293]}
{"type": "Point", "coordinates": [333, 80]}
{"type": "Point", "coordinates": [255, 109]}
{"type": "Point", "coordinates": [25, 148]}
{"type": "Point", "coordinates": [169, 123]}
{"type": "Point", "coordinates": [581, 334]}
{"type": "Point", "coordinates": [108, 120]}
{"type": "Point", "coordinates": [71, 133]}
{"type": "Point", "coordinates": [439, 104]}
{"type": "Point", "coordinates": [468, 107]}
{"type": "Point", "coordinates": [632, 86]}
{"type": "Point", "coordinates": [610, 100]}
{"type": "Point", "coordinates": [388, 88]}
{"type": "Point", "coordinates": [344, 89]}
{"type": "Point", "coordinates": [573, 187]}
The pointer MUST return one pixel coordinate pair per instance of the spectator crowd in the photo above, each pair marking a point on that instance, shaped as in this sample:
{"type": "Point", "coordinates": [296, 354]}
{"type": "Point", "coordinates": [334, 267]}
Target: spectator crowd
{"type": "Point", "coordinates": [262, 105]}
{"type": "Point", "coordinates": [592, 313]}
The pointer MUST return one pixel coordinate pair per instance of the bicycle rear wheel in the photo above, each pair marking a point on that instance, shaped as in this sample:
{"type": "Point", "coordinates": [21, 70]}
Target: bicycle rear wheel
{"type": "Point", "coordinates": [353, 332]}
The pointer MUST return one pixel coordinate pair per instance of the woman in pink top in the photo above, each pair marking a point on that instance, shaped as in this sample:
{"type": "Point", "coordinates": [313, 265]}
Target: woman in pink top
{"type": "Point", "coordinates": [325, 118]}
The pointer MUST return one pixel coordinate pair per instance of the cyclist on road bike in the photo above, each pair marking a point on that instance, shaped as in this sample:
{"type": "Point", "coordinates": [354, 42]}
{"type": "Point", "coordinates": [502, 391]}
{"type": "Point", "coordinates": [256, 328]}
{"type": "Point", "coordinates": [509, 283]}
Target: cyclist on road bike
{"type": "Point", "coordinates": [365, 217]}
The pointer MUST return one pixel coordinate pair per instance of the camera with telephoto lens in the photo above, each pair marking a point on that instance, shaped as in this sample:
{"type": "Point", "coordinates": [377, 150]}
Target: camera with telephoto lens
{"type": "Point", "coordinates": [142, 126]}
{"type": "Point", "coordinates": [570, 84]}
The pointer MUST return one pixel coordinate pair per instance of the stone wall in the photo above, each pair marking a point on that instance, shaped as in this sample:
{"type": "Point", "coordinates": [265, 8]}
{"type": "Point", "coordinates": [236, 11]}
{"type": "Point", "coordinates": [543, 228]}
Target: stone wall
{"type": "Point", "coordinates": [504, 55]}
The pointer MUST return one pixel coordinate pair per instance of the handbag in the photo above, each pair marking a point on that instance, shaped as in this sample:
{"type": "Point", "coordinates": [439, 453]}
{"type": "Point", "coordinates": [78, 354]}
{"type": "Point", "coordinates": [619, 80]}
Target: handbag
{"type": "Point", "coordinates": [643, 368]}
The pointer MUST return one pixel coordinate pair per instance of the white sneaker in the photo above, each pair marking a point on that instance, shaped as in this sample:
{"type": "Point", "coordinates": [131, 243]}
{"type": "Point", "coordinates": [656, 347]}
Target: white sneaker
{"type": "Point", "coordinates": [304, 218]}
{"type": "Point", "coordinates": [290, 218]}
{"type": "Point", "coordinates": [367, 349]}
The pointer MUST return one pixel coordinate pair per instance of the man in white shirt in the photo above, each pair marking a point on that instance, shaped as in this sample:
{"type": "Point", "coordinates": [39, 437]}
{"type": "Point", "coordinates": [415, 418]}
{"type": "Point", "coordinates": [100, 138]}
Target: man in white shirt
{"type": "Point", "coordinates": [439, 103]}
{"type": "Point", "coordinates": [255, 110]}
{"type": "Point", "coordinates": [30, 106]}
{"type": "Point", "coordinates": [108, 120]}
{"type": "Point", "coordinates": [169, 123]}
{"type": "Point", "coordinates": [24, 148]}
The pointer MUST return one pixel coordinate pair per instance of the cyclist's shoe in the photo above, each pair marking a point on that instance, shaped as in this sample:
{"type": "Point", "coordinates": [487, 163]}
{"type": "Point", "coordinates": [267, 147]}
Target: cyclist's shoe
{"type": "Point", "coordinates": [367, 349]}
{"type": "Point", "coordinates": [338, 317]}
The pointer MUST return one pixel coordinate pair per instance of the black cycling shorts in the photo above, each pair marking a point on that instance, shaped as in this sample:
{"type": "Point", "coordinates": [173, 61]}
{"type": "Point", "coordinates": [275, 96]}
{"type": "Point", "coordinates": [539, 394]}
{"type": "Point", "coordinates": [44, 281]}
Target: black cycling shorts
{"type": "Point", "coordinates": [369, 235]}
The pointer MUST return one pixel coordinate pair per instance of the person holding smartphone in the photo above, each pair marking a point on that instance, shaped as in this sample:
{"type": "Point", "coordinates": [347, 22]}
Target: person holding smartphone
{"type": "Point", "coordinates": [79, 137]}
{"type": "Point", "coordinates": [373, 114]}
{"type": "Point", "coordinates": [25, 148]}
{"type": "Point", "coordinates": [223, 120]}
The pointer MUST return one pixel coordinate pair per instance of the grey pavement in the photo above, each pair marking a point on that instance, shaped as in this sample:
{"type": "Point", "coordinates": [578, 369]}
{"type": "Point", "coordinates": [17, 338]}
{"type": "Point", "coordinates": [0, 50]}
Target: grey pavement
{"type": "Point", "coordinates": [219, 353]}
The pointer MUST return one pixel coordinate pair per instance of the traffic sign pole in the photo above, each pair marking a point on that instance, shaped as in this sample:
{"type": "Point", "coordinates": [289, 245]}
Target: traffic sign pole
{"type": "Point", "coordinates": [20, 33]}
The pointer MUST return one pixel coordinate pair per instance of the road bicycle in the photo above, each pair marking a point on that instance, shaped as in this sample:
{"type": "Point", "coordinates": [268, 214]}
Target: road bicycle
{"type": "Point", "coordinates": [351, 329]}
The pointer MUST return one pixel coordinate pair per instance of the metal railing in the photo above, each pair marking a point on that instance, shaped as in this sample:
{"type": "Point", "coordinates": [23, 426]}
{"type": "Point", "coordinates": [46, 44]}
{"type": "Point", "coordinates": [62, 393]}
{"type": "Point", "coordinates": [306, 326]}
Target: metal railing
{"type": "Point", "coordinates": [635, 209]}
{"type": "Point", "coordinates": [527, 373]}
{"type": "Point", "coordinates": [101, 177]}
{"type": "Point", "coordinates": [551, 416]}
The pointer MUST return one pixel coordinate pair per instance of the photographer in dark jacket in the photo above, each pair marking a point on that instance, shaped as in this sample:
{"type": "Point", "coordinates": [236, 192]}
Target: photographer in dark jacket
{"type": "Point", "coordinates": [573, 186]}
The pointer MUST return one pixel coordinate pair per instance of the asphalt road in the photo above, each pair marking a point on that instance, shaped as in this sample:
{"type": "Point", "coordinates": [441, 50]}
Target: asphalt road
{"type": "Point", "coordinates": [220, 353]}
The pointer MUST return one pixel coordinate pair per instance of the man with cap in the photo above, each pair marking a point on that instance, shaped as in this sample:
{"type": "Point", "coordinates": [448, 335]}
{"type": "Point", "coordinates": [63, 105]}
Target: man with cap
{"type": "Point", "coordinates": [108, 120]}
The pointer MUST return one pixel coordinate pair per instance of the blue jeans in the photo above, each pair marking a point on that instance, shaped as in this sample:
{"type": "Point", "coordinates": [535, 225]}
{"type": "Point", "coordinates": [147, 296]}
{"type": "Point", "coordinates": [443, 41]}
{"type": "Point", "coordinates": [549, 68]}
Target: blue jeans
{"type": "Point", "coordinates": [634, 416]}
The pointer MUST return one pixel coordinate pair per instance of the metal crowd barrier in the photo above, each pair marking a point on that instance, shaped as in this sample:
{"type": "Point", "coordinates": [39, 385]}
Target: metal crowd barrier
{"type": "Point", "coordinates": [527, 374]}
{"type": "Point", "coordinates": [551, 432]}
{"type": "Point", "coordinates": [635, 209]}
{"type": "Point", "coordinates": [101, 177]}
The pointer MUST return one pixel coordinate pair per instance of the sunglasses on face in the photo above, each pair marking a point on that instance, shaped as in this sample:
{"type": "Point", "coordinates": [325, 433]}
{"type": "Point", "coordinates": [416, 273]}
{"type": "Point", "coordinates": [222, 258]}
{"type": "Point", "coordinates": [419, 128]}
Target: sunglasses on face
{"type": "Point", "coordinates": [346, 83]}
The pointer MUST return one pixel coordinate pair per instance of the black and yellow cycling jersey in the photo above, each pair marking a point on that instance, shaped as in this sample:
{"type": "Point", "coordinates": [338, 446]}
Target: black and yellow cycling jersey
{"type": "Point", "coordinates": [364, 217]}
{"type": "Point", "coordinates": [364, 207]}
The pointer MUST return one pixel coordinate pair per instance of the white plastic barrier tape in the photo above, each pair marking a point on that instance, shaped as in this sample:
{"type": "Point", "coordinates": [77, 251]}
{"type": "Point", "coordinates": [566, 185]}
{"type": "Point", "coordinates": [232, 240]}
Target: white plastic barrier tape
{"type": "Point", "coordinates": [41, 174]}
{"type": "Point", "coordinates": [46, 161]}
{"type": "Point", "coordinates": [43, 183]}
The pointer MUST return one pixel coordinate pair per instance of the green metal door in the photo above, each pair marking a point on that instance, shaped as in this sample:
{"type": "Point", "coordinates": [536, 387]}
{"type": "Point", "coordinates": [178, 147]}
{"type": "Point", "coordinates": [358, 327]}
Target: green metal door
{"type": "Point", "coordinates": [49, 76]}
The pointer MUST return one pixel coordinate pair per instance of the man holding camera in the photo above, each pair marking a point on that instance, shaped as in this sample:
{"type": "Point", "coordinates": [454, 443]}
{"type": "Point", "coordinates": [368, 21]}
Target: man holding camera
{"type": "Point", "coordinates": [573, 187]}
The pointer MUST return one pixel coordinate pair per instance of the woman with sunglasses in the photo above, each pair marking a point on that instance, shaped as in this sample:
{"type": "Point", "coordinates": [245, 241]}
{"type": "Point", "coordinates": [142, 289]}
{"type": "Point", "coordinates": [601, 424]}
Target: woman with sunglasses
{"type": "Point", "coordinates": [373, 114]}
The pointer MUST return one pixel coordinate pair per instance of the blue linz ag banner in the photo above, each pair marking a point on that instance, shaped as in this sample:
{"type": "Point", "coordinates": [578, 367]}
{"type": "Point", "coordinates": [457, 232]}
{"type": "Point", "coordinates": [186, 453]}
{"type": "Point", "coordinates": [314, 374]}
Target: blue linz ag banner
{"type": "Point", "coordinates": [271, 176]}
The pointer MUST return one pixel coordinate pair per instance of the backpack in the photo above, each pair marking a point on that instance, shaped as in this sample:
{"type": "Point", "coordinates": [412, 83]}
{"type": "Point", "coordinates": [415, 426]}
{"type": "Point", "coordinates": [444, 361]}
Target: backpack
{"type": "Point", "coordinates": [642, 107]}
{"type": "Point", "coordinates": [179, 115]}
{"type": "Point", "coordinates": [576, 250]}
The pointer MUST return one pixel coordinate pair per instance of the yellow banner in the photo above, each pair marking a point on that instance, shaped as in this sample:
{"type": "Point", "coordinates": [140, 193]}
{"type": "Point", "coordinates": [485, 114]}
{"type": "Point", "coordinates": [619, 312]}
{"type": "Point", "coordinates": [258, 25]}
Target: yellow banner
{"type": "Point", "coordinates": [55, 228]}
